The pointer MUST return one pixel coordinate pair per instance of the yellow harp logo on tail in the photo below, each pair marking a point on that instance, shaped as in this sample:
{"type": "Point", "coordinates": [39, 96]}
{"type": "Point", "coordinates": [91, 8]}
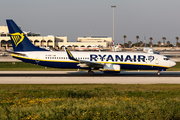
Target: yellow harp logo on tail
{"type": "Point", "coordinates": [17, 38]}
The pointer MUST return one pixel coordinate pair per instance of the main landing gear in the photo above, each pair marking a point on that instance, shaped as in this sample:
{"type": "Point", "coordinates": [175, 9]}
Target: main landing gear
{"type": "Point", "coordinates": [90, 72]}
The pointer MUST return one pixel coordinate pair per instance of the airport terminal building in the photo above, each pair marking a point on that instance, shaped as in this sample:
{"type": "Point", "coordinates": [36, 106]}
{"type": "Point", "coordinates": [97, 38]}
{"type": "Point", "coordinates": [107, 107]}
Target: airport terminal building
{"type": "Point", "coordinates": [56, 42]}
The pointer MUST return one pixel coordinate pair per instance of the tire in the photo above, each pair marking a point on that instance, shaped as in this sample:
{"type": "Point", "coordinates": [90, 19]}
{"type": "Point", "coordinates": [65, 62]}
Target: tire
{"type": "Point", "coordinates": [91, 73]}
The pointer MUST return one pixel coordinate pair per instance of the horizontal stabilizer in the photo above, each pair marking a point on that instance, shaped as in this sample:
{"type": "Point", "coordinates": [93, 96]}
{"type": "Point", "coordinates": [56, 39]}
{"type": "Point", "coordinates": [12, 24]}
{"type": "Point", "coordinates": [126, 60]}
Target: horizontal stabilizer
{"type": "Point", "coordinates": [10, 51]}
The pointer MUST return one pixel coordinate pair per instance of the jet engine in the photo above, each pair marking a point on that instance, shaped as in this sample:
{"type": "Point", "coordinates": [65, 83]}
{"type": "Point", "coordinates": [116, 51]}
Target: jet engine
{"type": "Point", "coordinates": [111, 68]}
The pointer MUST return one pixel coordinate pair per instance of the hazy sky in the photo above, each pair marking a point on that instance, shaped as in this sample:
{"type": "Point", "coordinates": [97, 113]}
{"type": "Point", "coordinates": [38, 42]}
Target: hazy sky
{"type": "Point", "coordinates": [76, 18]}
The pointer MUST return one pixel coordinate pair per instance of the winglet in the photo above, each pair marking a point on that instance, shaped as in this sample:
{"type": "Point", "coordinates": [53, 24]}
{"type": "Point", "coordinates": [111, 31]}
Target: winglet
{"type": "Point", "coordinates": [71, 57]}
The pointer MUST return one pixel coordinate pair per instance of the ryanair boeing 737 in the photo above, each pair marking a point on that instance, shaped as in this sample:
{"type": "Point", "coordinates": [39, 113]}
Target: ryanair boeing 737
{"type": "Point", "coordinates": [107, 62]}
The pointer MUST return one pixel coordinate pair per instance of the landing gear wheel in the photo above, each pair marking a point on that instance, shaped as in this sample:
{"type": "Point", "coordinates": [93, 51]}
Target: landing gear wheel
{"type": "Point", "coordinates": [158, 73]}
{"type": "Point", "coordinates": [91, 73]}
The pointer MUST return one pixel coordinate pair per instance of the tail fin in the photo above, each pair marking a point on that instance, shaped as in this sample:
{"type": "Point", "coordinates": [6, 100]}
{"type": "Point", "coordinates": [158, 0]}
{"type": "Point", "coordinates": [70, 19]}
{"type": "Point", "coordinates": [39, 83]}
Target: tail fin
{"type": "Point", "coordinates": [19, 40]}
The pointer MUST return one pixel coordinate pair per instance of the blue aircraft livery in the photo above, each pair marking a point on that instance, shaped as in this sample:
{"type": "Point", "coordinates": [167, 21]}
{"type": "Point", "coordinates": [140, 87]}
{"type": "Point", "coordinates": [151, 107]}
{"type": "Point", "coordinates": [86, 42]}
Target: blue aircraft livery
{"type": "Point", "coordinates": [107, 62]}
{"type": "Point", "coordinates": [118, 58]}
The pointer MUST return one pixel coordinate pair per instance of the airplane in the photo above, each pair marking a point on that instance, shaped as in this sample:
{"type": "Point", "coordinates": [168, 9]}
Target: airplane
{"type": "Point", "coordinates": [107, 62]}
{"type": "Point", "coordinates": [148, 49]}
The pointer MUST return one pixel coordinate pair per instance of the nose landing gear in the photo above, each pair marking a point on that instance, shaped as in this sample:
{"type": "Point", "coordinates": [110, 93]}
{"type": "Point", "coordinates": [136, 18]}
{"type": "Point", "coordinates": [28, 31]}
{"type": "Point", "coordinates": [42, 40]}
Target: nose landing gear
{"type": "Point", "coordinates": [158, 73]}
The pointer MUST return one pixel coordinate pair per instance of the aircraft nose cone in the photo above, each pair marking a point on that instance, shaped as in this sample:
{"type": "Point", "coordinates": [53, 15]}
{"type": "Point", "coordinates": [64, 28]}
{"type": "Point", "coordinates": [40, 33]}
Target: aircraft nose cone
{"type": "Point", "coordinates": [173, 63]}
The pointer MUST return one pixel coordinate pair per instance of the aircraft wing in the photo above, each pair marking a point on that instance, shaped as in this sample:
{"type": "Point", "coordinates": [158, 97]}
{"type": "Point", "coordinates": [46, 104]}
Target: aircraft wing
{"type": "Point", "coordinates": [83, 63]}
{"type": "Point", "coordinates": [90, 64]}
{"type": "Point", "coordinates": [16, 53]}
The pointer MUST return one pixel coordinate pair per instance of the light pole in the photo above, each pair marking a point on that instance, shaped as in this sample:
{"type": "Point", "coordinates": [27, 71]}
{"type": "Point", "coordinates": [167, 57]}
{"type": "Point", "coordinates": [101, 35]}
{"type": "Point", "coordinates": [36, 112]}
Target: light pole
{"type": "Point", "coordinates": [113, 27]}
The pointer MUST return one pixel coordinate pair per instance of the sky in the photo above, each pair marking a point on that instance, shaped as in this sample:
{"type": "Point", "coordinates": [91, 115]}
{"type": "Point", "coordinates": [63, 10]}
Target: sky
{"type": "Point", "coordinates": [78, 18]}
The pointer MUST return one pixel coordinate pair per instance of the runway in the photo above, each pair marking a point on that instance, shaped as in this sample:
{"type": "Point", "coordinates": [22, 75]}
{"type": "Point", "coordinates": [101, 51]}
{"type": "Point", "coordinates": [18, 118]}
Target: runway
{"type": "Point", "coordinates": [81, 77]}
{"type": "Point", "coordinates": [84, 74]}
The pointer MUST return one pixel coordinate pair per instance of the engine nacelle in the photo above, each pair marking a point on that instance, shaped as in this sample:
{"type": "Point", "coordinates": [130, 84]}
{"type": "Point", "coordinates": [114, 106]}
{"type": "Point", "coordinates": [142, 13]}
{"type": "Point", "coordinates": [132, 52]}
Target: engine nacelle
{"type": "Point", "coordinates": [111, 68]}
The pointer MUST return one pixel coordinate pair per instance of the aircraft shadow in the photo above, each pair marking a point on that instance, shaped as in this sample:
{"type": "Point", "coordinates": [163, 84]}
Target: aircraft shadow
{"type": "Point", "coordinates": [97, 74]}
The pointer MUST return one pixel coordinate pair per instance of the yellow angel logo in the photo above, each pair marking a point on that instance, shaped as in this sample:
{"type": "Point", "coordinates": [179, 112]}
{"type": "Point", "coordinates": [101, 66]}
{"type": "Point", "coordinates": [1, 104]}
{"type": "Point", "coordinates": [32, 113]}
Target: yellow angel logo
{"type": "Point", "coordinates": [17, 38]}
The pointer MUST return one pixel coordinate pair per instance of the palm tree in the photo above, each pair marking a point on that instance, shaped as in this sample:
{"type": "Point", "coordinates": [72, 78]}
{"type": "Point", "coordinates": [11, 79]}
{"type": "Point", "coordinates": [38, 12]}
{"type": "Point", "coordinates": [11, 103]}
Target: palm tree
{"type": "Point", "coordinates": [159, 43]}
{"type": "Point", "coordinates": [168, 43]}
{"type": "Point", "coordinates": [177, 38]}
{"type": "Point", "coordinates": [129, 43]}
{"type": "Point", "coordinates": [164, 39]}
{"type": "Point", "coordinates": [177, 44]}
{"type": "Point", "coordinates": [150, 44]}
{"type": "Point", "coordinates": [124, 39]}
{"type": "Point", "coordinates": [125, 45]}
{"type": "Point", "coordinates": [141, 43]}
{"type": "Point", "coordinates": [137, 37]}
{"type": "Point", "coordinates": [151, 41]}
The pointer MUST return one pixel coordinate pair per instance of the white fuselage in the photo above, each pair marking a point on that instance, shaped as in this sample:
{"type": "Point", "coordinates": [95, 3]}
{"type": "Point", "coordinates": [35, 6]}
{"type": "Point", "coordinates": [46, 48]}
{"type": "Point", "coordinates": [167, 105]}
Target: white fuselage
{"type": "Point", "coordinates": [133, 60]}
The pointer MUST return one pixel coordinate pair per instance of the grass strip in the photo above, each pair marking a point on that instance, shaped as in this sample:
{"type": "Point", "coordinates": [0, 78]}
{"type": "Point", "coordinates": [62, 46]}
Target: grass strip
{"type": "Point", "coordinates": [160, 101]}
{"type": "Point", "coordinates": [21, 66]}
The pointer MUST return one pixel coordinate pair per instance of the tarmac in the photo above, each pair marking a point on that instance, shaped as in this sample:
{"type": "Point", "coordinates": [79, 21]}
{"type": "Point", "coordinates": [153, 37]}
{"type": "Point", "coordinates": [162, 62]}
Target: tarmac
{"type": "Point", "coordinates": [74, 77]}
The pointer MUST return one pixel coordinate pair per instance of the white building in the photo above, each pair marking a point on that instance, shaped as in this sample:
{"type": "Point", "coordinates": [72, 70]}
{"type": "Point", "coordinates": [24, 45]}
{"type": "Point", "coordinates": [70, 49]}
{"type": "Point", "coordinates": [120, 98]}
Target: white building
{"type": "Point", "coordinates": [95, 39]}
{"type": "Point", "coordinates": [55, 41]}
{"type": "Point", "coordinates": [88, 42]}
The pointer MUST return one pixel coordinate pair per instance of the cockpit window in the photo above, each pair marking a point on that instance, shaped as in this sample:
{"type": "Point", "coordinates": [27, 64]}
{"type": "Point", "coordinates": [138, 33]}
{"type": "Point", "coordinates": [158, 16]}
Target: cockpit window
{"type": "Point", "coordinates": [166, 58]}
